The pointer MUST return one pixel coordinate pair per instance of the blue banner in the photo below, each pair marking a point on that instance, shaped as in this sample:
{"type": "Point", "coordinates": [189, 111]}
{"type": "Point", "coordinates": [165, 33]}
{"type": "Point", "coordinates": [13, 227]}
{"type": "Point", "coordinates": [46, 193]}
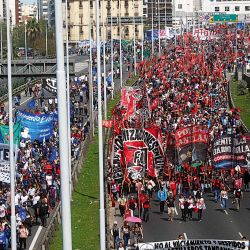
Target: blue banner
{"type": "Point", "coordinates": [36, 127]}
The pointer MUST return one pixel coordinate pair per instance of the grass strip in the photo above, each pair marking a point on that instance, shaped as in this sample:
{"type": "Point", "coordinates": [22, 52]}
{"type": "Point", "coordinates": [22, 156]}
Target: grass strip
{"type": "Point", "coordinates": [242, 102]}
{"type": "Point", "coordinates": [85, 205]}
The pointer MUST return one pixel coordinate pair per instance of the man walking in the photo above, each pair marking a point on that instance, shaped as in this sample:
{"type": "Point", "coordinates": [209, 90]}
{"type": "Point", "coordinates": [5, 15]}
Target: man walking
{"type": "Point", "coordinates": [162, 197]}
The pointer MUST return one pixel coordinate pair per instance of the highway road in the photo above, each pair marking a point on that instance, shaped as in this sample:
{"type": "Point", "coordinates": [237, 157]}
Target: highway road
{"type": "Point", "coordinates": [38, 231]}
{"type": "Point", "coordinates": [216, 224]}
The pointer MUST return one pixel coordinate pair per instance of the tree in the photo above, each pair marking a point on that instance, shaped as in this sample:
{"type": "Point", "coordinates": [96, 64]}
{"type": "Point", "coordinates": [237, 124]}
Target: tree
{"type": "Point", "coordinates": [33, 30]}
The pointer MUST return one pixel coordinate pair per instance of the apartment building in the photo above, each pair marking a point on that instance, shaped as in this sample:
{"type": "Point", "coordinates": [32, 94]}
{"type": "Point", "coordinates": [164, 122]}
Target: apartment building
{"type": "Point", "coordinates": [79, 21]}
{"type": "Point", "coordinates": [15, 11]}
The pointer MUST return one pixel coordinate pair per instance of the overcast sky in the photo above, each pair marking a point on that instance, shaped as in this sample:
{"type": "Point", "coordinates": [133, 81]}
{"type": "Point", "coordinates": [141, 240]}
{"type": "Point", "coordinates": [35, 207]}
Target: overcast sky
{"type": "Point", "coordinates": [28, 1]}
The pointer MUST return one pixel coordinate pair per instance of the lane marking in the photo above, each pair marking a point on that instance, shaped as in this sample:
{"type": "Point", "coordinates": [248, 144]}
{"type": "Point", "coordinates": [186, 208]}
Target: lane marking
{"type": "Point", "coordinates": [35, 238]}
{"type": "Point", "coordinates": [24, 102]}
{"type": "Point", "coordinates": [185, 235]}
{"type": "Point", "coordinates": [175, 211]}
{"type": "Point", "coordinates": [240, 234]}
{"type": "Point", "coordinates": [226, 212]}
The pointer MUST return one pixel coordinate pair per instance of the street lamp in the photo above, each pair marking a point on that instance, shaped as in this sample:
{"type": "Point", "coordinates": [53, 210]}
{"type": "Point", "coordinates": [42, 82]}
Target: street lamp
{"type": "Point", "coordinates": [25, 40]}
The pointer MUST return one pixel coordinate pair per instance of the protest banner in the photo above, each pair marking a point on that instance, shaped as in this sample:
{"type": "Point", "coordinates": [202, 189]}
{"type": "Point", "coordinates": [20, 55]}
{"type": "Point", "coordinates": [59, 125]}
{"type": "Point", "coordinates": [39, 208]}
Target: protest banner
{"type": "Point", "coordinates": [4, 162]}
{"type": "Point", "coordinates": [4, 133]}
{"type": "Point", "coordinates": [195, 245]}
{"type": "Point", "coordinates": [36, 127]}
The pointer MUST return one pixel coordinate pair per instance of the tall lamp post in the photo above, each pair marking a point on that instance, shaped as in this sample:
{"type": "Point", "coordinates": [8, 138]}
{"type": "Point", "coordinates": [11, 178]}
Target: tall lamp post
{"type": "Point", "coordinates": [25, 40]}
{"type": "Point", "coordinates": [112, 51]}
{"type": "Point", "coordinates": [104, 64]}
{"type": "Point", "coordinates": [120, 31]}
{"type": "Point", "coordinates": [91, 104]}
{"type": "Point", "coordinates": [152, 27]}
{"type": "Point", "coordinates": [134, 37]}
{"type": "Point", "coordinates": [100, 138]}
{"type": "Point", "coordinates": [63, 130]}
{"type": "Point", "coordinates": [11, 136]}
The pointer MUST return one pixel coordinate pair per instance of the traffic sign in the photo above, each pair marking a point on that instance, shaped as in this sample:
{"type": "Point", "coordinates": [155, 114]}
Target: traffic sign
{"type": "Point", "coordinates": [224, 18]}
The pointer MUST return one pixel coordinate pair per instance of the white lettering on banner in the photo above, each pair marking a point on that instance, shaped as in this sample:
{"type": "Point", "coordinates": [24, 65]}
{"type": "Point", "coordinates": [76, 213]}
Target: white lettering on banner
{"type": "Point", "coordinates": [204, 34]}
{"type": "Point", "coordinates": [195, 245]}
{"type": "Point", "coordinates": [36, 118]}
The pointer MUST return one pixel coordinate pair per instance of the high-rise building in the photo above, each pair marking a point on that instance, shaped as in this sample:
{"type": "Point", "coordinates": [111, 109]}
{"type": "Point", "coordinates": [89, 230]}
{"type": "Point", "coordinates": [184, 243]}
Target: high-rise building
{"type": "Point", "coordinates": [28, 11]}
{"type": "Point", "coordinates": [15, 11]}
{"type": "Point", "coordinates": [42, 9]}
{"type": "Point", "coordinates": [78, 19]}
{"type": "Point", "coordinates": [160, 11]}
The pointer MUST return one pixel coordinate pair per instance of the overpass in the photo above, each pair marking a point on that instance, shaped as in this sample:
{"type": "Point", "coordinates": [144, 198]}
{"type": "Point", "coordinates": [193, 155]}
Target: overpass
{"type": "Point", "coordinates": [38, 68]}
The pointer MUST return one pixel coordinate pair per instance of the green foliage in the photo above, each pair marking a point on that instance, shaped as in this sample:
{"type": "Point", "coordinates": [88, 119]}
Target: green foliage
{"type": "Point", "coordinates": [242, 87]}
{"type": "Point", "coordinates": [242, 102]}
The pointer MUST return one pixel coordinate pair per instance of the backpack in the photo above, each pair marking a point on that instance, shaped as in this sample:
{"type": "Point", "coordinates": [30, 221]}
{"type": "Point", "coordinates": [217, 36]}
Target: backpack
{"type": "Point", "coordinates": [238, 194]}
{"type": "Point", "coordinates": [52, 193]}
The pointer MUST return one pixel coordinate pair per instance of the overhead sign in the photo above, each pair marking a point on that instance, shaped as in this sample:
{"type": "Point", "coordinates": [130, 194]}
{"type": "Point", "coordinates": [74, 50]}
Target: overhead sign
{"type": "Point", "coordinates": [195, 244]}
{"type": "Point", "coordinates": [125, 20]}
{"type": "Point", "coordinates": [224, 18]}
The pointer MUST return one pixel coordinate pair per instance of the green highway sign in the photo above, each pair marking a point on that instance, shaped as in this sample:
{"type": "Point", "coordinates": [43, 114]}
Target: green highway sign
{"type": "Point", "coordinates": [224, 18]}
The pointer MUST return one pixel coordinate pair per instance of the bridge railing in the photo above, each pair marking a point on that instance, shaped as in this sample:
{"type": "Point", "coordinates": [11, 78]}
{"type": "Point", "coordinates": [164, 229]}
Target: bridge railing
{"type": "Point", "coordinates": [18, 90]}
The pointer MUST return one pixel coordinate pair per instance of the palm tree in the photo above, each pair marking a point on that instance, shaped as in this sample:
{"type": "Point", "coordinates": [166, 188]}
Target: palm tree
{"type": "Point", "coordinates": [33, 30]}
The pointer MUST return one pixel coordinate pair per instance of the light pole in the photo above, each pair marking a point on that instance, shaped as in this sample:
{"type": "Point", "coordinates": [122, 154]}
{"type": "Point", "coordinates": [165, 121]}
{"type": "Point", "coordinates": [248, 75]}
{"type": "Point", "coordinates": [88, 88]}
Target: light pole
{"type": "Point", "coordinates": [152, 27]}
{"type": "Point", "coordinates": [63, 130]}
{"type": "Point", "coordinates": [100, 139]}
{"type": "Point", "coordinates": [175, 33]}
{"type": "Point", "coordinates": [142, 39]}
{"type": "Point", "coordinates": [1, 41]}
{"type": "Point", "coordinates": [46, 34]}
{"type": "Point", "coordinates": [120, 29]}
{"type": "Point", "coordinates": [159, 27]}
{"type": "Point", "coordinates": [11, 136]}
{"type": "Point", "coordinates": [68, 87]}
{"type": "Point", "coordinates": [25, 40]}
{"type": "Point", "coordinates": [104, 65]}
{"type": "Point", "coordinates": [112, 51]}
{"type": "Point", "coordinates": [91, 75]}
{"type": "Point", "coordinates": [134, 37]}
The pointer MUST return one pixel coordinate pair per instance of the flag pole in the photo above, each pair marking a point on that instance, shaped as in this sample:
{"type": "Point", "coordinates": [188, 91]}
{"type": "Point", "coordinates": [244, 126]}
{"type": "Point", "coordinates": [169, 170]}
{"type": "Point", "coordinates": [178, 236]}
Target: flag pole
{"type": "Point", "coordinates": [11, 136]}
{"type": "Point", "coordinates": [91, 77]}
{"type": "Point", "coordinates": [63, 130]}
{"type": "Point", "coordinates": [104, 65]}
{"type": "Point", "coordinates": [134, 37]}
{"type": "Point", "coordinates": [100, 138]}
{"type": "Point", "coordinates": [120, 31]}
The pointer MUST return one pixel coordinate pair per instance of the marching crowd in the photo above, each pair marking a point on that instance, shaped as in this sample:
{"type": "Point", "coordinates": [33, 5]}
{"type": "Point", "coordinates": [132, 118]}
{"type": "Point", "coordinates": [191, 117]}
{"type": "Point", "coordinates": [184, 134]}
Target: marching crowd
{"type": "Point", "coordinates": [186, 86]}
{"type": "Point", "coordinates": [38, 164]}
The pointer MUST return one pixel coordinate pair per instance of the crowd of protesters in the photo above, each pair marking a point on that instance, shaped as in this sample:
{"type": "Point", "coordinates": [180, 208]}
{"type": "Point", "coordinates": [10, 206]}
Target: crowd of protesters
{"type": "Point", "coordinates": [186, 86]}
{"type": "Point", "coordinates": [38, 165]}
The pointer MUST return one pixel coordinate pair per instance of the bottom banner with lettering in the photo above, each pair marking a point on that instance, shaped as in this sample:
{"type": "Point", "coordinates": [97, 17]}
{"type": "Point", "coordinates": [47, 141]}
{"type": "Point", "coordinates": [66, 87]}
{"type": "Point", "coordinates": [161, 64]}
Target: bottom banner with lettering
{"type": "Point", "coordinates": [194, 245]}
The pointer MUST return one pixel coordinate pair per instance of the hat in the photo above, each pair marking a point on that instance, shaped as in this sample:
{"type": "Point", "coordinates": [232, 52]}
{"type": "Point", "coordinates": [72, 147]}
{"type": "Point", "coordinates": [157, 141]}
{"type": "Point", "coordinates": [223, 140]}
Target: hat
{"type": "Point", "coordinates": [115, 222]}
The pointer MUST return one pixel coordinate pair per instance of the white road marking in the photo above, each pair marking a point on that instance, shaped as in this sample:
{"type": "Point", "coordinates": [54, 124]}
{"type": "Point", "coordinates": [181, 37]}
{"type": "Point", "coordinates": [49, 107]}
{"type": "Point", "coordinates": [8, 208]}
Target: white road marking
{"type": "Point", "coordinates": [175, 211]}
{"type": "Point", "coordinates": [240, 234]}
{"type": "Point", "coordinates": [185, 235]}
{"type": "Point", "coordinates": [226, 212]}
{"type": "Point", "coordinates": [35, 238]}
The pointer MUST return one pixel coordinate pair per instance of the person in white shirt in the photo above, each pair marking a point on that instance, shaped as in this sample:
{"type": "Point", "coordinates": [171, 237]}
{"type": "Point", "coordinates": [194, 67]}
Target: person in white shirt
{"type": "Point", "coordinates": [24, 197]}
{"type": "Point", "coordinates": [2, 210]}
{"type": "Point", "coordinates": [190, 201]}
{"type": "Point", "coordinates": [49, 179]}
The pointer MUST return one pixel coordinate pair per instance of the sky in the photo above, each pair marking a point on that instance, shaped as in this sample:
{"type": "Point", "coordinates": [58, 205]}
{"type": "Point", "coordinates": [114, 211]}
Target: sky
{"type": "Point", "coordinates": [28, 1]}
